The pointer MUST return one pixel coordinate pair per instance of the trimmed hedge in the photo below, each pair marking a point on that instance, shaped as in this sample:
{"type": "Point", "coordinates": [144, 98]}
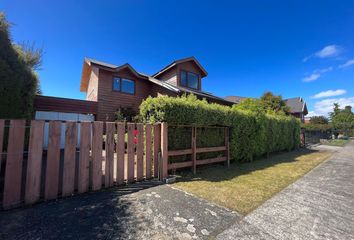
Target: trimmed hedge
{"type": "Point", "coordinates": [251, 135]}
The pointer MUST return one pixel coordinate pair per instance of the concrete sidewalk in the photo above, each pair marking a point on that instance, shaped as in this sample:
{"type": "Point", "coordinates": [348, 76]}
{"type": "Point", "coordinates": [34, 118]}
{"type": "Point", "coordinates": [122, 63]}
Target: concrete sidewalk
{"type": "Point", "coordinates": [318, 206]}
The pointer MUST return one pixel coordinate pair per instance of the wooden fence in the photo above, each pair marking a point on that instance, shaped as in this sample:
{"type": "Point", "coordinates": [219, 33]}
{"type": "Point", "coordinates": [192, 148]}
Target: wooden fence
{"type": "Point", "coordinates": [96, 155]}
{"type": "Point", "coordinates": [193, 162]}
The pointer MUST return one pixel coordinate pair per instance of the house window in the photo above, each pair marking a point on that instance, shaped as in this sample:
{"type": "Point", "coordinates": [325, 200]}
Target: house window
{"type": "Point", "coordinates": [189, 79]}
{"type": "Point", "coordinates": [123, 85]}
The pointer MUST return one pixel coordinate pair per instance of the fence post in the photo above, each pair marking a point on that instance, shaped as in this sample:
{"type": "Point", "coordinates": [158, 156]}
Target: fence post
{"type": "Point", "coordinates": [194, 150]}
{"type": "Point", "coordinates": [164, 151]}
{"type": "Point", "coordinates": [227, 144]}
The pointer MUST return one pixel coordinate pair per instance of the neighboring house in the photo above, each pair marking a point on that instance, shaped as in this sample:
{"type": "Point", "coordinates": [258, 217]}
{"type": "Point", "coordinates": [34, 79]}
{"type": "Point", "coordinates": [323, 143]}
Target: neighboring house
{"type": "Point", "coordinates": [114, 87]}
{"type": "Point", "coordinates": [297, 105]}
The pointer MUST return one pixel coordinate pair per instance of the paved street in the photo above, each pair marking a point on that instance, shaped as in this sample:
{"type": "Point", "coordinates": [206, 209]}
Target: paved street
{"type": "Point", "coordinates": [318, 206]}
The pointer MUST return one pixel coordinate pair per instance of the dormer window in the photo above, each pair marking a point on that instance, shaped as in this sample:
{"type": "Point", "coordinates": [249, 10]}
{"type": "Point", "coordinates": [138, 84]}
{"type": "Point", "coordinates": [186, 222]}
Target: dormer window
{"type": "Point", "coordinates": [189, 79]}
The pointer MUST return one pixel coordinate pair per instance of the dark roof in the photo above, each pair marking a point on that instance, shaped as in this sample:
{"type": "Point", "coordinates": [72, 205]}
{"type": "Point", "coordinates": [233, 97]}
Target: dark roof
{"type": "Point", "coordinates": [235, 99]}
{"type": "Point", "coordinates": [297, 105]}
{"type": "Point", "coordinates": [173, 88]}
{"type": "Point", "coordinates": [174, 63]}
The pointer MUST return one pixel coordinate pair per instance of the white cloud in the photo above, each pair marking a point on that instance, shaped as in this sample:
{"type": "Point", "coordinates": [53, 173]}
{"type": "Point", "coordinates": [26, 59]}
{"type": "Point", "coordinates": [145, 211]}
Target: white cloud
{"type": "Point", "coordinates": [326, 52]}
{"type": "Point", "coordinates": [329, 93]}
{"type": "Point", "coordinates": [347, 64]}
{"type": "Point", "coordinates": [316, 74]}
{"type": "Point", "coordinates": [325, 106]}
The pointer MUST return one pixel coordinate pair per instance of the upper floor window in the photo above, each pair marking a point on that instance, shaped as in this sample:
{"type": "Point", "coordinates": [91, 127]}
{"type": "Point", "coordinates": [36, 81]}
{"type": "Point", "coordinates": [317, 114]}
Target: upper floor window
{"type": "Point", "coordinates": [123, 85]}
{"type": "Point", "coordinates": [189, 79]}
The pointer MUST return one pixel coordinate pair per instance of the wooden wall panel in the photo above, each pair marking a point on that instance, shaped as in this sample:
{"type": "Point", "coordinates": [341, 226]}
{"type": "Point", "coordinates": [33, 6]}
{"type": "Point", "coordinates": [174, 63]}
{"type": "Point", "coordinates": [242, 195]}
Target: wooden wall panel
{"type": "Point", "coordinates": [97, 138]}
{"type": "Point", "coordinates": [14, 161]}
{"type": "Point", "coordinates": [34, 163]}
{"type": "Point", "coordinates": [140, 152]}
{"type": "Point", "coordinates": [131, 152]}
{"type": "Point", "coordinates": [84, 160]}
{"type": "Point", "coordinates": [120, 152]}
{"type": "Point", "coordinates": [53, 161]}
{"type": "Point", "coordinates": [2, 125]}
{"type": "Point", "coordinates": [110, 131]}
{"type": "Point", "coordinates": [69, 158]}
{"type": "Point", "coordinates": [157, 147]}
{"type": "Point", "coordinates": [148, 151]}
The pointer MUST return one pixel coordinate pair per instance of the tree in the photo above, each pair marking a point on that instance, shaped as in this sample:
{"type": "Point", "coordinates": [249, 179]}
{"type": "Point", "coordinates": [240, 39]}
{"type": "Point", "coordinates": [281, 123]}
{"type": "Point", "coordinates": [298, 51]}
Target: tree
{"type": "Point", "coordinates": [251, 104]}
{"type": "Point", "coordinates": [19, 81]}
{"type": "Point", "coordinates": [319, 120]}
{"type": "Point", "coordinates": [342, 120]}
{"type": "Point", "coordinates": [274, 104]}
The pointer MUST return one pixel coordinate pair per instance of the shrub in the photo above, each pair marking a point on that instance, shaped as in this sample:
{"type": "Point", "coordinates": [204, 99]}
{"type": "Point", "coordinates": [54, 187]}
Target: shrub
{"type": "Point", "coordinates": [251, 134]}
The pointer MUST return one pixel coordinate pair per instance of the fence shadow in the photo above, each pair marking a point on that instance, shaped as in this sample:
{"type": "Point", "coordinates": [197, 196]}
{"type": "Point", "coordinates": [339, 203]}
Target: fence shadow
{"type": "Point", "coordinates": [219, 172]}
{"type": "Point", "coordinates": [105, 214]}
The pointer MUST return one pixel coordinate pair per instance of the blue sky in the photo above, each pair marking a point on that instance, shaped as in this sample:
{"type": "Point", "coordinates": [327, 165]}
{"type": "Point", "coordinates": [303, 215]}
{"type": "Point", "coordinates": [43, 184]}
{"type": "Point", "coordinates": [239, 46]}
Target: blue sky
{"type": "Point", "coordinates": [292, 48]}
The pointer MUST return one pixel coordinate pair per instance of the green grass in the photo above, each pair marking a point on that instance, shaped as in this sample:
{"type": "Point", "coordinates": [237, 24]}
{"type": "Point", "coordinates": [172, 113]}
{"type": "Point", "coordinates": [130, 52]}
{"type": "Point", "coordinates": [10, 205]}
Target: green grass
{"type": "Point", "coordinates": [243, 187]}
{"type": "Point", "coordinates": [336, 142]}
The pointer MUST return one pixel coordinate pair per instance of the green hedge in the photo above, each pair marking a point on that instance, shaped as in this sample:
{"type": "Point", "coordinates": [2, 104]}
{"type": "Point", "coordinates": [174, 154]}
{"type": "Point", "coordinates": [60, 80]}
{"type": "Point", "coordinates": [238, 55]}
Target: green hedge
{"type": "Point", "coordinates": [251, 135]}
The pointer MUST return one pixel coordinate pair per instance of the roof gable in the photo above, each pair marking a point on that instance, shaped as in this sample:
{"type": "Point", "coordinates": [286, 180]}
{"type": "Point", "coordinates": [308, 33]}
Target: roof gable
{"type": "Point", "coordinates": [174, 63]}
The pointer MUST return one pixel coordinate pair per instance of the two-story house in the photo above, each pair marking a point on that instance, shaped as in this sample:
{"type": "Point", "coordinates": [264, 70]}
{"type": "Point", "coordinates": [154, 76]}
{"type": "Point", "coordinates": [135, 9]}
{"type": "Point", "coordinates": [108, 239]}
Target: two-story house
{"type": "Point", "coordinates": [114, 87]}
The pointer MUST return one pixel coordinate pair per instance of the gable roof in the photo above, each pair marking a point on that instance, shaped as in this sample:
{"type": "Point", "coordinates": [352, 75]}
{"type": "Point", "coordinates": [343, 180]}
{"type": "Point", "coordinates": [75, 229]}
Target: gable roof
{"type": "Point", "coordinates": [89, 62]}
{"type": "Point", "coordinates": [297, 105]}
{"type": "Point", "coordinates": [174, 63]}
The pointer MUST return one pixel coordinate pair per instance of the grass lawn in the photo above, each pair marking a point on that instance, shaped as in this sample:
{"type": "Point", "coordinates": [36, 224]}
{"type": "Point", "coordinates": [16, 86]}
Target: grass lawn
{"type": "Point", "coordinates": [336, 142]}
{"type": "Point", "coordinates": [243, 187]}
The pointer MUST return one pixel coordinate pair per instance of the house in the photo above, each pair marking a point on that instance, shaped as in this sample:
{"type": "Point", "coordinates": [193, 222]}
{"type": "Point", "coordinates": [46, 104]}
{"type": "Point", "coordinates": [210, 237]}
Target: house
{"type": "Point", "coordinates": [297, 105]}
{"type": "Point", "coordinates": [114, 87]}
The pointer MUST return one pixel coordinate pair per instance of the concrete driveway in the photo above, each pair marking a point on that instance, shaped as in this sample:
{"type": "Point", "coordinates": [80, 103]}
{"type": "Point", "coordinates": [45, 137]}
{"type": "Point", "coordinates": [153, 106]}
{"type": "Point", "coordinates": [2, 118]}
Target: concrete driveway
{"type": "Point", "coordinates": [146, 210]}
{"type": "Point", "coordinates": [318, 206]}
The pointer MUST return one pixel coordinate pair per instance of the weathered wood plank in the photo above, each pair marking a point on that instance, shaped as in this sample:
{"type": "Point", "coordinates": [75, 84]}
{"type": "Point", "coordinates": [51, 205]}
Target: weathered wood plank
{"type": "Point", "coordinates": [120, 152]}
{"type": "Point", "coordinates": [34, 163]}
{"type": "Point", "coordinates": [97, 138]}
{"type": "Point", "coordinates": [194, 150]}
{"type": "Point", "coordinates": [211, 149]}
{"type": "Point", "coordinates": [140, 152]}
{"type": "Point", "coordinates": [148, 151]}
{"type": "Point", "coordinates": [84, 159]}
{"type": "Point", "coordinates": [131, 152]}
{"type": "Point", "coordinates": [110, 131]}
{"type": "Point", "coordinates": [69, 159]}
{"type": "Point", "coordinates": [164, 151]}
{"type": "Point", "coordinates": [157, 146]}
{"type": "Point", "coordinates": [53, 161]}
{"type": "Point", "coordinates": [180, 152]}
{"type": "Point", "coordinates": [14, 161]}
{"type": "Point", "coordinates": [211, 160]}
{"type": "Point", "coordinates": [178, 165]}
{"type": "Point", "coordinates": [2, 125]}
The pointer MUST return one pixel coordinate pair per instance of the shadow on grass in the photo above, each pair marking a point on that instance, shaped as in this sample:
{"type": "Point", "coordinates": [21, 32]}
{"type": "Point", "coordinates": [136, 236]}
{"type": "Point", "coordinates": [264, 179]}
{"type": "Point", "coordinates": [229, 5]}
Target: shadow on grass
{"type": "Point", "coordinates": [105, 214]}
{"type": "Point", "coordinates": [219, 172]}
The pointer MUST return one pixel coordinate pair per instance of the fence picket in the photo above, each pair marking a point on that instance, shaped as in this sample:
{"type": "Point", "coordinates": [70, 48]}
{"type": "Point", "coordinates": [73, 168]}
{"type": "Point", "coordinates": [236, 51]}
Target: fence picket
{"type": "Point", "coordinates": [164, 151]}
{"type": "Point", "coordinates": [34, 163]}
{"type": "Point", "coordinates": [14, 161]}
{"type": "Point", "coordinates": [97, 130]}
{"type": "Point", "coordinates": [2, 124]}
{"type": "Point", "coordinates": [140, 152]}
{"type": "Point", "coordinates": [109, 164]}
{"type": "Point", "coordinates": [120, 152]}
{"type": "Point", "coordinates": [53, 161]}
{"type": "Point", "coordinates": [131, 152]}
{"type": "Point", "coordinates": [69, 158]}
{"type": "Point", "coordinates": [157, 146]}
{"type": "Point", "coordinates": [148, 151]}
{"type": "Point", "coordinates": [84, 160]}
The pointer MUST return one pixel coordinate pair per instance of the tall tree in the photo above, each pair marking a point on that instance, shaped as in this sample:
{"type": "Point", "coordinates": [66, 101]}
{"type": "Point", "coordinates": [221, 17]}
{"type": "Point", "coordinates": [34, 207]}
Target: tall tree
{"type": "Point", "coordinates": [319, 120]}
{"type": "Point", "coordinates": [19, 81]}
{"type": "Point", "coordinates": [343, 120]}
{"type": "Point", "coordinates": [274, 103]}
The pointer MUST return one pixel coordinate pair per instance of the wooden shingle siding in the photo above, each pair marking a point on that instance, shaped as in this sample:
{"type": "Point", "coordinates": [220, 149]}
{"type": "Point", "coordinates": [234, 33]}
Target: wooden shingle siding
{"type": "Point", "coordinates": [109, 101]}
{"type": "Point", "coordinates": [55, 104]}
{"type": "Point", "coordinates": [92, 87]}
